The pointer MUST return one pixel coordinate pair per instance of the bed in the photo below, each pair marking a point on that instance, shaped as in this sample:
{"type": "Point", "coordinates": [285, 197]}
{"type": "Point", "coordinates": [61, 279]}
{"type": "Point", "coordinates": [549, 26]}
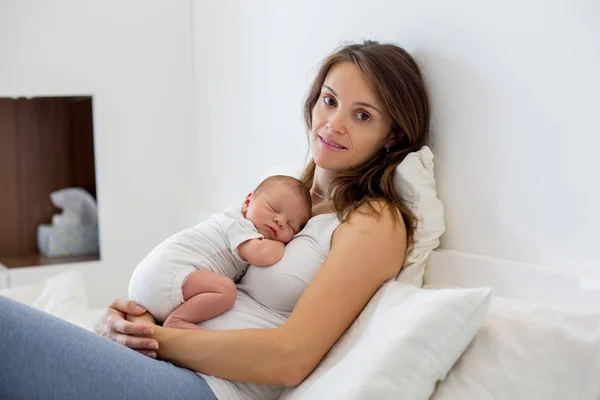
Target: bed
{"type": "Point", "coordinates": [540, 338]}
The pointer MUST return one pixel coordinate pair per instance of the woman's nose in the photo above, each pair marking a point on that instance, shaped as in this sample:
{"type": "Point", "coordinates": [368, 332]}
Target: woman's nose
{"type": "Point", "coordinates": [336, 123]}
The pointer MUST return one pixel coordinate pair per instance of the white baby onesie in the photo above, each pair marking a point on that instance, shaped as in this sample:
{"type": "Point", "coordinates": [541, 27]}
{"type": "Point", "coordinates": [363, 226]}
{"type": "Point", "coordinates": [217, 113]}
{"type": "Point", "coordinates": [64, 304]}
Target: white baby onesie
{"type": "Point", "coordinates": [211, 246]}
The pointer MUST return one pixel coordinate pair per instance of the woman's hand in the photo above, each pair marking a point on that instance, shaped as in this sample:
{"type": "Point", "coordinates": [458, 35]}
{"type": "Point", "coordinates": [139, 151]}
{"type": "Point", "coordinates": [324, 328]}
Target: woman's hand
{"type": "Point", "coordinates": [114, 326]}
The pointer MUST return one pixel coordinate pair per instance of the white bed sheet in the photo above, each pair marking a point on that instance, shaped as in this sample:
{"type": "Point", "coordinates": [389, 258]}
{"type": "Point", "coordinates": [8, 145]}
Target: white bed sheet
{"type": "Point", "coordinates": [62, 295]}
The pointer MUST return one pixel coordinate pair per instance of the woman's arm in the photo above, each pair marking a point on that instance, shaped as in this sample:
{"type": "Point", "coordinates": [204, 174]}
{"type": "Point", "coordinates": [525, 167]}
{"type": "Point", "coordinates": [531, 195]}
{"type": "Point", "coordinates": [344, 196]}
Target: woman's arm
{"type": "Point", "coordinates": [366, 251]}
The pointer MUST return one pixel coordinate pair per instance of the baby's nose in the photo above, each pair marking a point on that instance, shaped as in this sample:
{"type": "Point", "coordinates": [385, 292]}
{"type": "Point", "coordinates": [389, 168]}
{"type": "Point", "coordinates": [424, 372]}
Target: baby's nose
{"type": "Point", "coordinates": [279, 220]}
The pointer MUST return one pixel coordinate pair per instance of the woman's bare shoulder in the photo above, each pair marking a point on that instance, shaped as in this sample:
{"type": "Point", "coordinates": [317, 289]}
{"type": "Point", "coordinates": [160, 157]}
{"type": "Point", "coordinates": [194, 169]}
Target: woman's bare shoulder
{"type": "Point", "coordinates": [378, 217]}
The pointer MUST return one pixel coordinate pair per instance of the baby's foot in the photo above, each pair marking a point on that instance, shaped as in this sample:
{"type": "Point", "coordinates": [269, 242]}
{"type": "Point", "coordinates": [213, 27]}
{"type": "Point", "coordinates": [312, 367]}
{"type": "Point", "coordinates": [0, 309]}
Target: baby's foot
{"type": "Point", "coordinates": [178, 323]}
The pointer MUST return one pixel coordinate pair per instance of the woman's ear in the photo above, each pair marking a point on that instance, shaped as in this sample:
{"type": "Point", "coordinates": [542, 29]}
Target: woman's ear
{"type": "Point", "coordinates": [393, 139]}
{"type": "Point", "coordinates": [246, 203]}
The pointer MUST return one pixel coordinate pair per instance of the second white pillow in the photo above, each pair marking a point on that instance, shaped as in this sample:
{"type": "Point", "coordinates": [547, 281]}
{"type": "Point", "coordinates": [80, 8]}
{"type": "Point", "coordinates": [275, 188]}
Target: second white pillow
{"type": "Point", "coordinates": [403, 342]}
{"type": "Point", "coordinates": [529, 350]}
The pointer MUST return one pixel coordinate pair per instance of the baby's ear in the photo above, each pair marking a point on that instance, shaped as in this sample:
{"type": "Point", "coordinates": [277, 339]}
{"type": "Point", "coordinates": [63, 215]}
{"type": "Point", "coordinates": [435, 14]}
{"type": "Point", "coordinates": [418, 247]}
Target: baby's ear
{"type": "Point", "coordinates": [246, 203]}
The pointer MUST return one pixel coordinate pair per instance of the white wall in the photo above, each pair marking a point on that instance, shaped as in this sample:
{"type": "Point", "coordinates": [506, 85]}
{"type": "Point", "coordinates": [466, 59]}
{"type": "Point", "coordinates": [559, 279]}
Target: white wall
{"type": "Point", "coordinates": [134, 57]}
{"type": "Point", "coordinates": [514, 86]}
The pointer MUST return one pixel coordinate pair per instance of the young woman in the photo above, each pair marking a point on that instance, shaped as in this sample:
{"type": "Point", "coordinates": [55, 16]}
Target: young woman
{"type": "Point", "coordinates": [366, 110]}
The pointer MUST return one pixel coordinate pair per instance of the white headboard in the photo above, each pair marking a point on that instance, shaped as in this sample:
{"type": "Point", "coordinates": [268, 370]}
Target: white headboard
{"type": "Point", "coordinates": [515, 279]}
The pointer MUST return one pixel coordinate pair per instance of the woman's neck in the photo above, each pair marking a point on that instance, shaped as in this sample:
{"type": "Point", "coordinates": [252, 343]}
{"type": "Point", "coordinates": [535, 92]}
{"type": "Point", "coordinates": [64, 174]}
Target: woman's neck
{"type": "Point", "coordinates": [321, 182]}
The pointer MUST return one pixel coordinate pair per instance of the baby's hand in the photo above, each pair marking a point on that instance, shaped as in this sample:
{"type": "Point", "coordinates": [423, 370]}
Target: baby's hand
{"type": "Point", "coordinates": [278, 250]}
{"type": "Point", "coordinates": [261, 252]}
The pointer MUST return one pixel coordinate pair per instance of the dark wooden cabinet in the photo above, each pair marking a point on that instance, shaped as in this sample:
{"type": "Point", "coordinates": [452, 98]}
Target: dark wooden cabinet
{"type": "Point", "coordinates": [46, 144]}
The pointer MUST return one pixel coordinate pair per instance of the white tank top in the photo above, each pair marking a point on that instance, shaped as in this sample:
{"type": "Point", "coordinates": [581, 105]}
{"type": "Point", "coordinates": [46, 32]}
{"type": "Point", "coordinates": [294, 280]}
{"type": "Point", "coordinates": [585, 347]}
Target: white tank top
{"type": "Point", "coordinates": [267, 296]}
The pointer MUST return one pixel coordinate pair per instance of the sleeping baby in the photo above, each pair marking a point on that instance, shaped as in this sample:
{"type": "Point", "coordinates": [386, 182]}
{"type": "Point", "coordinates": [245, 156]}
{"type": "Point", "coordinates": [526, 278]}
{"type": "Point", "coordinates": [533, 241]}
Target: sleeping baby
{"type": "Point", "coordinates": [189, 277]}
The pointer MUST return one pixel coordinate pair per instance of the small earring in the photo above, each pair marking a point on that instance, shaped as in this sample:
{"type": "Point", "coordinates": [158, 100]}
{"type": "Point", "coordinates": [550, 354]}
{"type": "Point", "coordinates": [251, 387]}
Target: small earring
{"type": "Point", "coordinates": [387, 150]}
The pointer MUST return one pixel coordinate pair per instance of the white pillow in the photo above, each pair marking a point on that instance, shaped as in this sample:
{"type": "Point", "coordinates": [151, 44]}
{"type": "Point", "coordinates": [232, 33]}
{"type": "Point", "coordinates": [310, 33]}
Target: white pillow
{"type": "Point", "coordinates": [528, 350]}
{"type": "Point", "coordinates": [415, 181]}
{"type": "Point", "coordinates": [403, 342]}
{"type": "Point", "coordinates": [62, 295]}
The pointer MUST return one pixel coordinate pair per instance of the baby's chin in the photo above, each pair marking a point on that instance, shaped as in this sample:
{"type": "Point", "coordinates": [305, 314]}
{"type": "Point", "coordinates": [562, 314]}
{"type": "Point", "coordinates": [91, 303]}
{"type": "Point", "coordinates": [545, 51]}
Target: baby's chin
{"type": "Point", "coordinates": [284, 241]}
{"type": "Point", "coordinates": [266, 232]}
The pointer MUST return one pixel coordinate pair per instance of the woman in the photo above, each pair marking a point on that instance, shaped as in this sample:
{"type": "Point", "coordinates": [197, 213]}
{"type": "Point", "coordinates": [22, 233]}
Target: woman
{"type": "Point", "coordinates": [366, 110]}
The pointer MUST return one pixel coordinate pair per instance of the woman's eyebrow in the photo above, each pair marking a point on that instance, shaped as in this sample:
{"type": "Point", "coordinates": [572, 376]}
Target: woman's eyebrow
{"type": "Point", "coordinates": [360, 103]}
{"type": "Point", "coordinates": [330, 89]}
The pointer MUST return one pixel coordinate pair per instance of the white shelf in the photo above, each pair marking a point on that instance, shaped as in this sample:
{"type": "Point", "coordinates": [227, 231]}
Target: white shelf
{"type": "Point", "coordinates": [3, 277]}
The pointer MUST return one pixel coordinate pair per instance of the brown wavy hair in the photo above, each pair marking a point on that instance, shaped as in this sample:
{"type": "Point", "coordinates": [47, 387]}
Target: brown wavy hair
{"type": "Point", "coordinates": [400, 86]}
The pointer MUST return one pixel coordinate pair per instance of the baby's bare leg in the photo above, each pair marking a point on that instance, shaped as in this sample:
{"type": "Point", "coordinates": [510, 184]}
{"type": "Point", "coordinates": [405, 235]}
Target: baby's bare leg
{"type": "Point", "coordinates": [206, 295]}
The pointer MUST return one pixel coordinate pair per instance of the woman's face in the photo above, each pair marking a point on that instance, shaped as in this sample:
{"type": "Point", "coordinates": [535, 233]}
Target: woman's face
{"type": "Point", "coordinates": [349, 123]}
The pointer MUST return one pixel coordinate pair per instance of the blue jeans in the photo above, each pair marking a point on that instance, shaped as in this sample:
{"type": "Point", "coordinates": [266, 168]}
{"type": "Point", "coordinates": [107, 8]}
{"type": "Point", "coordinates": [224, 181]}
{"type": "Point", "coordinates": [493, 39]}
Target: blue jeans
{"type": "Point", "coordinates": [44, 357]}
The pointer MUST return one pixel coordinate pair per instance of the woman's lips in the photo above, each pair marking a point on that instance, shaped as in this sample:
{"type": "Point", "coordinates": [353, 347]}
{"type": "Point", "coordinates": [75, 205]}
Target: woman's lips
{"type": "Point", "coordinates": [331, 146]}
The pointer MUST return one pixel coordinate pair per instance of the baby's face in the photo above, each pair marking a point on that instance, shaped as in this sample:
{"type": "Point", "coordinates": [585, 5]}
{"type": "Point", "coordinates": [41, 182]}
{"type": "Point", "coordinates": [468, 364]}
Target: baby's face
{"type": "Point", "coordinates": [278, 211]}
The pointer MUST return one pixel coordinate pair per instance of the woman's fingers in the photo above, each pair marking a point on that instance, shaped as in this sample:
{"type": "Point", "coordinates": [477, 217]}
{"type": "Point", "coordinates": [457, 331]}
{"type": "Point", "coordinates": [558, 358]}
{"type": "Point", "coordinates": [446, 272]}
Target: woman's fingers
{"type": "Point", "coordinates": [115, 327]}
{"type": "Point", "coordinates": [100, 328]}
{"type": "Point", "coordinates": [123, 331]}
{"type": "Point", "coordinates": [136, 343]}
{"type": "Point", "coordinates": [147, 353]}
{"type": "Point", "coordinates": [127, 307]}
{"type": "Point", "coordinates": [119, 324]}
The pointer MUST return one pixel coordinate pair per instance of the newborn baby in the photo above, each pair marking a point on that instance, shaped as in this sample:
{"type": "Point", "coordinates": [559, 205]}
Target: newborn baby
{"type": "Point", "coordinates": [189, 277]}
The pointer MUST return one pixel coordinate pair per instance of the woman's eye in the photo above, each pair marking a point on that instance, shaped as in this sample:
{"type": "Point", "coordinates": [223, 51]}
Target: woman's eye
{"type": "Point", "coordinates": [329, 101]}
{"type": "Point", "coordinates": [363, 116]}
